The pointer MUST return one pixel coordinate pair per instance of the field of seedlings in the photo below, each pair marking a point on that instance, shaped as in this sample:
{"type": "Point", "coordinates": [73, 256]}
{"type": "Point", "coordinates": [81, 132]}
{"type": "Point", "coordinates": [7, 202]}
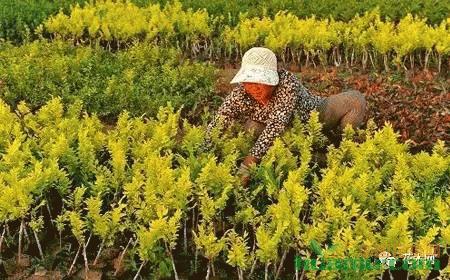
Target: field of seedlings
{"type": "Point", "coordinates": [104, 174]}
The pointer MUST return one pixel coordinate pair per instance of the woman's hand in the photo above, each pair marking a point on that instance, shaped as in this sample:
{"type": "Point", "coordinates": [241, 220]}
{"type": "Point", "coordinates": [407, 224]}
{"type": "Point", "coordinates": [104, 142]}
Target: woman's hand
{"type": "Point", "coordinates": [249, 160]}
{"type": "Point", "coordinates": [244, 169]}
{"type": "Point", "coordinates": [244, 174]}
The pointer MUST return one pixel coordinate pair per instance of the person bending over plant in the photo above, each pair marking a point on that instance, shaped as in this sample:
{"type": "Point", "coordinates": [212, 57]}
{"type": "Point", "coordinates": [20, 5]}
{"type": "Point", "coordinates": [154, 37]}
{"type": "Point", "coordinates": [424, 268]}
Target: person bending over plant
{"type": "Point", "coordinates": [267, 98]}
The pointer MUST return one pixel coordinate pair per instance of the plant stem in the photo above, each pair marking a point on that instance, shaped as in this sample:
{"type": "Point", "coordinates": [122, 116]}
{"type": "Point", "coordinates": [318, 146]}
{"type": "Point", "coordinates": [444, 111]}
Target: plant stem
{"type": "Point", "coordinates": [1, 238]}
{"type": "Point", "coordinates": [38, 244]}
{"type": "Point", "coordinates": [439, 62]}
{"type": "Point", "coordinates": [195, 260]}
{"type": "Point", "coordinates": [49, 212]}
{"type": "Point", "coordinates": [252, 269]}
{"type": "Point", "coordinates": [139, 270]}
{"type": "Point", "coordinates": [303, 274]}
{"type": "Point", "coordinates": [86, 265]}
{"type": "Point", "coordinates": [371, 61]}
{"type": "Point", "coordinates": [266, 271]}
{"type": "Point", "coordinates": [173, 265]}
{"type": "Point", "coordinates": [122, 254]}
{"type": "Point", "coordinates": [253, 250]}
{"type": "Point", "coordinates": [281, 263]}
{"type": "Point", "coordinates": [299, 58]}
{"type": "Point", "coordinates": [74, 260]}
{"type": "Point", "coordinates": [25, 232]}
{"type": "Point", "coordinates": [240, 274]}
{"type": "Point", "coordinates": [185, 236]}
{"type": "Point", "coordinates": [427, 54]}
{"type": "Point", "coordinates": [19, 253]}
{"type": "Point", "coordinates": [274, 268]}
{"type": "Point", "coordinates": [193, 218]}
{"type": "Point", "coordinates": [364, 59]}
{"type": "Point", "coordinates": [385, 60]}
{"type": "Point", "coordinates": [99, 252]}
{"type": "Point", "coordinates": [352, 57]}
{"type": "Point", "coordinates": [208, 272]}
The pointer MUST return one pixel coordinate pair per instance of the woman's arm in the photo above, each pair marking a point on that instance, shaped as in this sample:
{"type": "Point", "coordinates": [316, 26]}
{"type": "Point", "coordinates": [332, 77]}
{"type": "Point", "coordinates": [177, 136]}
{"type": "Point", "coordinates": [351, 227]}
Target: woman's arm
{"type": "Point", "coordinates": [234, 107]}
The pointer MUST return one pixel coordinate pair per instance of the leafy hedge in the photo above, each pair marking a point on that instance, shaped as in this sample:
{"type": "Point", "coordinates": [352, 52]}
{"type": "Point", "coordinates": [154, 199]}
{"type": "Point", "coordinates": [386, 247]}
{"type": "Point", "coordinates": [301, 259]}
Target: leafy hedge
{"type": "Point", "coordinates": [367, 39]}
{"type": "Point", "coordinates": [139, 79]}
{"type": "Point", "coordinates": [434, 11]}
{"type": "Point", "coordinates": [19, 18]}
{"type": "Point", "coordinates": [146, 185]}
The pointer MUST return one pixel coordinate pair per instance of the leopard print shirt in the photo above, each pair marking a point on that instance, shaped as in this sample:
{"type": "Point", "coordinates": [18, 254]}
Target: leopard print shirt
{"type": "Point", "coordinates": [290, 97]}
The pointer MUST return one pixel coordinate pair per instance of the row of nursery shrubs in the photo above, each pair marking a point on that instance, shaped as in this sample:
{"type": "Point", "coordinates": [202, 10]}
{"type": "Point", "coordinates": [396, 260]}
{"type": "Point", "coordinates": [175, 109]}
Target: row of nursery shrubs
{"type": "Point", "coordinates": [149, 187]}
{"type": "Point", "coordinates": [434, 11]}
{"type": "Point", "coordinates": [139, 79]}
{"type": "Point", "coordinates": [18, 18]}
{"type": "Point", "coordinates": [366, 40]}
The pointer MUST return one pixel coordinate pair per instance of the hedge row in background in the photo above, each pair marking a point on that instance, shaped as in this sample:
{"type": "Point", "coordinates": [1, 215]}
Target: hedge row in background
{"type": "Point", "coordinates": [177, 210]}
{"type": "Point", "coordinates": [366, 40]}
{"type": "Point", "coordinates": [435, 11]}
{"type": "Point", "coordinates": [139, 79]}
{"type": "Point", "coordinates": [18, 18]}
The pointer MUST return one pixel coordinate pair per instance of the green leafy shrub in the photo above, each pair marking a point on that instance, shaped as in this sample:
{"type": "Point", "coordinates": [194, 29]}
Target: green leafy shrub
{"type": "Point", "coordinates": [364, 39]}
{"type": "Point", "coordinates": [434, 11]}
{"type": "Point", "coordinates": [19, 18]}
{"type": "Point", "coordinates": [147, 182]}
{"type": "Point", "coordinates": [139, 79]}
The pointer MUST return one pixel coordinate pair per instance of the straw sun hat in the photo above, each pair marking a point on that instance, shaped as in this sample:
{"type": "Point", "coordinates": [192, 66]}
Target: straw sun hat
{"type": "Point", "coordinates": [259, 65]}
